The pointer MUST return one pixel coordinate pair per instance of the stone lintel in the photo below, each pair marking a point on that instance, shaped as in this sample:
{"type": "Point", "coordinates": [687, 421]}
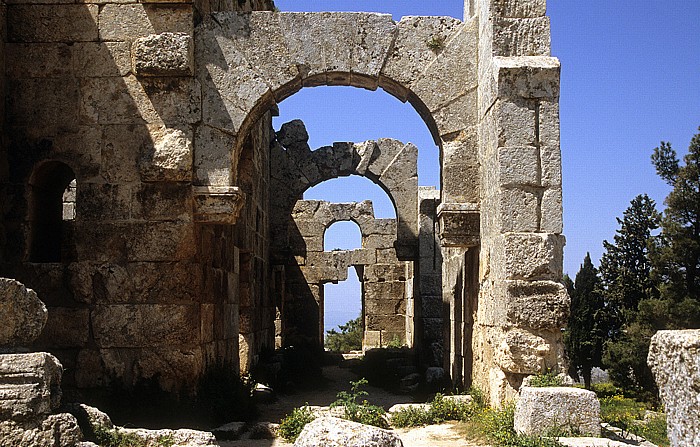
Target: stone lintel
{"type": "Point", "coordinates": [217, 204]}
{"type": "Point", "coordinates": [459, 224]}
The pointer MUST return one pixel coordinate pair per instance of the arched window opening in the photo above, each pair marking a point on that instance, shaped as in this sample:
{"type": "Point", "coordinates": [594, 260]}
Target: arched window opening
{"type": "Point", "coordinates": [343, 314]}
{"type": "Point", "coordinates": [52, 208]}
{"type": "Point", "coordinates": [344, 235]}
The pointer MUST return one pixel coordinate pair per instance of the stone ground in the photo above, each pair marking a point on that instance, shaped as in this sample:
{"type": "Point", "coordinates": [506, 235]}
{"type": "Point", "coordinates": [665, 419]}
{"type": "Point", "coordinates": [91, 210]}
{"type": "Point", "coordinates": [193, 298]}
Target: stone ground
{"type": "Point", "coordinates": [338, 379]}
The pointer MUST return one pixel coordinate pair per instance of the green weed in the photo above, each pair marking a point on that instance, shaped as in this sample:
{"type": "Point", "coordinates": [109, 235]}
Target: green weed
{"type": "Point", "coordinates": [292, 425]}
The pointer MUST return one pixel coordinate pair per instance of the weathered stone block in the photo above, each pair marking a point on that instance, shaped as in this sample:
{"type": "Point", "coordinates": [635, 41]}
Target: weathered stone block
{"type": "Point", "coordinates": [521, 37]}
{"type": "Point", "coordinates": [459, 224]}
{"type": "Point", "coordinates": [531, 256]}
{"type": "Point", "coordinates": [38, 60]}
{"type": "Point", "coordinates": [411, 53]}
{"type": "Point", "coordinates": [56, 430]}
{"type": "Point", "coordinates": [330, 430]}
{"type": "Point", "coordinates": [131, 21]}
{"type": "Point", "coordinates": [45, 101]}
{"type": "Point", "coordinates": [160, 241]}
{"type": "Point", "coordinates": [22, 312]}
{"type": "Point", "coordinates": [519, 166]}
{"type": "Point", "coordinates": [65, 328]}
{"type": "Point", "coordinates": [170, 158]}
{"type": "Point", "coordinates": [52, 23]}
{"type": "Point", "coordinates": [164, 54]}
{"type": "Point", "coordinates": [460, 171]}
{"type": "Point", "coordinates": [211, 156]}
{"type": "Point", "coordinates": [552, 211]}
{"type": "Point", "coordinates": [145, 325]}
{"type": "Point", "coordinates": [674, 358]}
{"type": "Point", "coordinates": [162, 201]}
{"type": "Point", "coordinates": [30, 385]}
{"type": "Point", "coordinates": [527, 77]}
{"type": "Point", "coordinates": [103, 202]}
{"type": "Point", "coordinates": [529, 304]}
{"type": "Point", "coordinates": [541, 409]}
{"type": "Point", "coordinates": [516, 121]}
{"type": "Point", "coordinates": [519, 8]}
{"type": "Point", "coordinates": [521, 351]}
{"type": "Point", "coordinates": [518, 210]}
{"type": "Point", "coordinates": [101, 59]}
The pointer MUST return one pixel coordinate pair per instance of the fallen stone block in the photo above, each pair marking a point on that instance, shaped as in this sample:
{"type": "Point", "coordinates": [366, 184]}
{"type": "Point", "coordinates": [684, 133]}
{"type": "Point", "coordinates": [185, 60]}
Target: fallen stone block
{"type": "Point", "coordinates": [553, 408]}
{"type": "Point", "coordinates": [674, 358]}
{"type": "Point", "coordinates": [22, 313]}
{"type": "Point", "coordinates": [30, 385]}
{"type": "Point", "coordinates": [334, 432]}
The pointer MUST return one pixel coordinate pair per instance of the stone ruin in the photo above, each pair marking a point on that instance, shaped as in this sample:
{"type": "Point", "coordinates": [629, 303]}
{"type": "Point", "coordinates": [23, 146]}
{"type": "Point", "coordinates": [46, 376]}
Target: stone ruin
{"type": "Point", "coordinates": [143, 199]}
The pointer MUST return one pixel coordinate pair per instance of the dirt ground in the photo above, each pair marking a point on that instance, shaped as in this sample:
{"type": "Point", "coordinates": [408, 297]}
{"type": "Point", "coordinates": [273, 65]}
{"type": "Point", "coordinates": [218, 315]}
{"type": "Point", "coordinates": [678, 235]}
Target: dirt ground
{"type": "Point", "coordinates": [338, 379]}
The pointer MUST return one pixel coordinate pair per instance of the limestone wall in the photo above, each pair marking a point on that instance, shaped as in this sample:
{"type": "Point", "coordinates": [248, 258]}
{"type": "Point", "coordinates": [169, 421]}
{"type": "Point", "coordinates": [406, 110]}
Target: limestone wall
{"type": "Point", "coordinates": [386, 281]}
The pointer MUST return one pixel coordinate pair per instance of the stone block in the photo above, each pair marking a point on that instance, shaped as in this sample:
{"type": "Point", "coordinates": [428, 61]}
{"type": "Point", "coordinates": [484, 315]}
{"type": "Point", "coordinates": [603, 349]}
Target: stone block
{"type": "Point", "coordinates": [330, 430]}
{"type": "Point", "coordinates": [38, 60]}
{"type": "Point", "coordinates": [46, 101]}
{"type": "Point", "coordinates": [160, 241]}
{"type": "Point", "coordinates": [164, 54]}
{"type": "Point", "coordinates": [552, 211]}
{"type": "Point", "coordinates": [101, 59]}
{"type": "Point", "coordinates": [554, 408]}
{"type": "Point", "coordinates": [520, 351]}
{"type": "Point", "coordinates": [30, 385]}
{"type": "Point", "coordinates": [145, 325]}
{"type": "Point", "coordinates": [386, 323]}
{"type": "Point", "coordinates": [527, 77]}
{"type": "Point", "coordinates": [457, 116]}
{"type": "Point", "coordinates": [519, 8]}
{"type": "Point", "coordinates": [65, 328]}
{"type": "Point", "coordinates": [122, 151]}
{"type": "Point", "coordinates": [519, 210]}
{"type": "Point", "coordinates": [529, 304]}
{"type": "Point", "coordinates": [56, 430]}
{"type": "Point", "coordinates": [126, 22]}
{"type": "Point", "coordinates": [373, 40]}
{"type": "Point", "coordinates": [162, 201]}
{"type": "Point", "coordinates": [459, 224]}
{"type": "Point", "coordinates": [385, 306]}
{"type": "Point", "coordinates": [516, 121]}
{"type": "Point", "coordinates": [531, 256]}
{"type": "Point", "coordinates": [674, 358]}
{"type": "Point", "coordinates": [519, 166]}
{"type": "Point", "coordinates": [103, 202]}
{"type": "Point", "coordinates": [379, 291]}
{"type": "Point", "coordinates": [521, 37]}
{"type": "Point", "coordinates": [460, 171]}
{"type": "Point", "coordinates": [169, 158]}
{"type": "Point", "coordinates": [52, 23]}
{"type": "Point", "coordinates": [385, 272]}
{"type": "Point", "coordinates": [22, 312]}
{"type": "Point", "coordinates": [411, 53]}
{"type": "Point", "coordinates": [212, 164]}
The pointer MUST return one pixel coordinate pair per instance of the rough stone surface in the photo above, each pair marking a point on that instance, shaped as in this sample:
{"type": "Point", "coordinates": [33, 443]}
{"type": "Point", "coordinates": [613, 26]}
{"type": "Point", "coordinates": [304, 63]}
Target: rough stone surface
{"type": "Point", "coordinates": [181, 437]}
{"type": "Point", "coordinates": [165, 54]}
{"type": "Point", "coordinates": [334, 432]}
{"type": "Point", "coordinates": [541, 409]}
{"type": "Point", "coordinates": [30, 385]}
{"type": "Point", "coordinates": [60, 430]}
{"type": "Point", "coordinates": [674, 358]}
{"type": "Point", "coordinates": [22, 312]}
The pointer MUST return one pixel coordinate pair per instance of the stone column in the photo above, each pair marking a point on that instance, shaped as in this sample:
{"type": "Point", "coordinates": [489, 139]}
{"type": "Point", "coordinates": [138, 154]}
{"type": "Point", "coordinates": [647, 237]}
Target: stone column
{"type": "Point", "coordinates": [522, 304]}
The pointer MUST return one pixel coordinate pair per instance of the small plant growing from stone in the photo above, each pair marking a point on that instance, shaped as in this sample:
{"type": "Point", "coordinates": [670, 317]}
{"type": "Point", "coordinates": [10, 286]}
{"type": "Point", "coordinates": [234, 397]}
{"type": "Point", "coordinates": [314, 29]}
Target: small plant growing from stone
{"type": "Point", "coordinates": [546, 379]}
{"type": "Point", "coordinates": [291, 426]}
{"type": "Point", "coordinates": [436, 43]}
{"type": "Point", "coordinates": [360, 410]}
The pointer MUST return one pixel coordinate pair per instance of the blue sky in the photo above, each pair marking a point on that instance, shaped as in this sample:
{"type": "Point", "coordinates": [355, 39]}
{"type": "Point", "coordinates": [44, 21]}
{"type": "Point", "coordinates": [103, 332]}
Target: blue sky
{"type": "Point", "coordinates": [630, 78]}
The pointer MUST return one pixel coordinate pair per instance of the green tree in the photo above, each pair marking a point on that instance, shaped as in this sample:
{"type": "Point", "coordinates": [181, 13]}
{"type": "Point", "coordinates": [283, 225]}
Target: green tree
{"type": "Point", "coordinates": [626, 266]}
{"type": "Point", "coordinates": [627, 280]}
{"type": "Point", "coordinates": [678, 256]}
{"type": "Point", "coordinates": [586, 332]}
{"type": "Point", "coordinates": [348, 339]}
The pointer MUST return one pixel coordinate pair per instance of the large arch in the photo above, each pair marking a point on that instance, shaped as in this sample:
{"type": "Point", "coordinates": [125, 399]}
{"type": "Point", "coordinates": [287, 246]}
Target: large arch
{"type": "Point", "coordinates": [247, 62]}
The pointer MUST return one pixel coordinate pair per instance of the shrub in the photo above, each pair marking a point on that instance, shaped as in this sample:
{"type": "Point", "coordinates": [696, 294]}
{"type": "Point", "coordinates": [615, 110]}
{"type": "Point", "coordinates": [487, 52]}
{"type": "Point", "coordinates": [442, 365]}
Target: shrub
{"type": "Point", "coordinates": [291, 426]}
{"type": "Point", "coordinates": [112, 438]}
{"type": "Point", "coordinates": [498, 428]}
{"type": "Point", "coordinates": [548, 378]}
{"type": "Point", "coordinates": [362, 412]}
{"type": "Point", "coordinates": [411, 417]}
{"type": "Point", "coordinates": [440, 410]}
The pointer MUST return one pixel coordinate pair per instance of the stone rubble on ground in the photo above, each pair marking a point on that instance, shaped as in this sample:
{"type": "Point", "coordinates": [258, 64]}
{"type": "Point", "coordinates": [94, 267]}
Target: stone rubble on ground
{"type": "Point", "coordinates": [335, 432]}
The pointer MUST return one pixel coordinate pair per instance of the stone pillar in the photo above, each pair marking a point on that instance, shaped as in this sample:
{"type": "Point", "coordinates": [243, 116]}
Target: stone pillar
{"type": "Point", "coordinates": [674, 358]}
{"type": "Point", "coordinates": [522, 304]}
